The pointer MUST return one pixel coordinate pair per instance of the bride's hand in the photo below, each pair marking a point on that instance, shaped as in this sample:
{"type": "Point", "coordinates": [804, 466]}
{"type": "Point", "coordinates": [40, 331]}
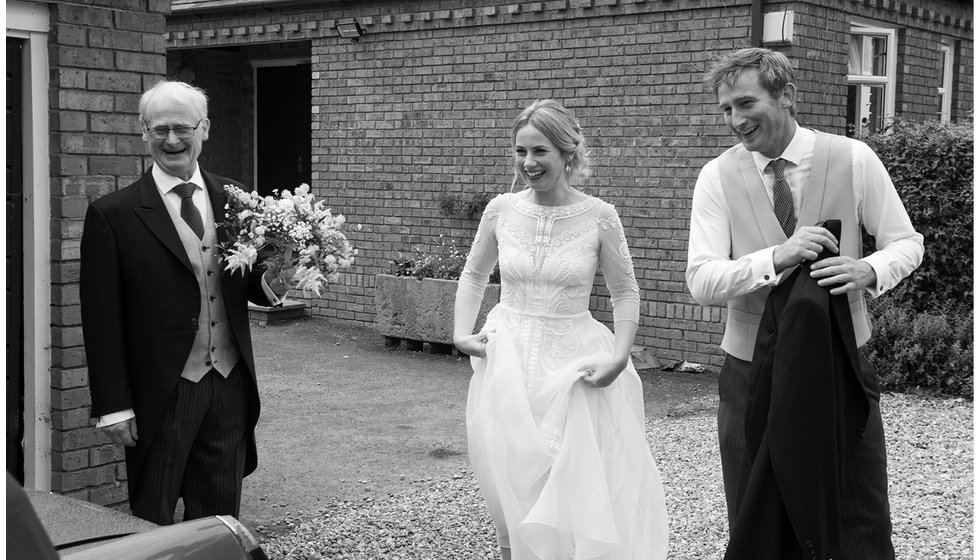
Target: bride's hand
{"type": "Point", "coordinates": [473, 345]}
{"type": "Point", "coordinates": [601, 373]}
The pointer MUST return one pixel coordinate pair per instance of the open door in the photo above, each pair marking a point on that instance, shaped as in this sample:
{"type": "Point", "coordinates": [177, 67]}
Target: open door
{"type": "Point", "coordinates": [283, 131]}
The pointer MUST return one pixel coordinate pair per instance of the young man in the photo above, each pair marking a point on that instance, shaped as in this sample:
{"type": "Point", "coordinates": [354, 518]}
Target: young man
{"type": "Point", "coordinates": [752, 224]}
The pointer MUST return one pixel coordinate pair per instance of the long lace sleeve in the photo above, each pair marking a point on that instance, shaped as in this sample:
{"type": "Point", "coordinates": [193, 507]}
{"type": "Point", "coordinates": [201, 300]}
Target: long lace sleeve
{"type": "Point", "coordinates": [476, 272]}
{"type": "Point", "coordinates": [617, 266]}
{"type": "Point", "coordinates": [483, 253]}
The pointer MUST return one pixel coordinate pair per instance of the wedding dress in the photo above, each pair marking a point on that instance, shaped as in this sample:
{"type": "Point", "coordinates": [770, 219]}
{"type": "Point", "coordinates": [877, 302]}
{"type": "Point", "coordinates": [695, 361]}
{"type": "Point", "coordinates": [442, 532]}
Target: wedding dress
{"type": "Point", "coordinates": [565, 468]}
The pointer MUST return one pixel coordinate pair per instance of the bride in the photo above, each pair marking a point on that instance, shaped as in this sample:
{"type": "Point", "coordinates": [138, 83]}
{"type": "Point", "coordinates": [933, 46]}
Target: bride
{"type": "Point", "coordinates": [554, 415]}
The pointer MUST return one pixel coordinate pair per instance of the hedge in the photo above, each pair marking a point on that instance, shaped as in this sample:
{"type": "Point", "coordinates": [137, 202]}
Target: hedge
{"type": "Point", "coordinates": [931, 165]}
{"type": "Point", "coordinates": [922, 338]}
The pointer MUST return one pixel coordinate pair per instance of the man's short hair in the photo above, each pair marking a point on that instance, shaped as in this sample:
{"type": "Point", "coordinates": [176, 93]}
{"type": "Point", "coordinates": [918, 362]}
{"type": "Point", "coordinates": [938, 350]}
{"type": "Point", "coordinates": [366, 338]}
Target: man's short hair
{"type": "Point", "coordinates": [179, 91]}
{"type": "Point", "coordinates": [775, 70]}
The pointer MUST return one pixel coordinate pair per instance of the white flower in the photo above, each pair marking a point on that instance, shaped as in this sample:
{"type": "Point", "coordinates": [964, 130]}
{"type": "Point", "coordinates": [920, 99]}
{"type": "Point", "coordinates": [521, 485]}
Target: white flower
{"type": "Point", "coordinates": [300, 235]}
{"type": "Point", "coordinates": [240, 258]}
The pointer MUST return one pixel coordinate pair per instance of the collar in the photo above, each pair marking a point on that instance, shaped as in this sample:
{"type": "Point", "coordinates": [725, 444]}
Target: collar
{"type": "Point", "coordinates": [165, 181]}
{"type": "Point", "coordinates": [801, 143]}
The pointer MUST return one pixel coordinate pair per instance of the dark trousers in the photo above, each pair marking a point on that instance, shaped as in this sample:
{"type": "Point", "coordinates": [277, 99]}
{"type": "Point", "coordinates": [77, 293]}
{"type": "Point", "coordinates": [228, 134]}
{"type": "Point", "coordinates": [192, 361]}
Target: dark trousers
{"type": "Point", "coordinates": [199, 452]}
{"type": "Point", "coordinates": [865, 514]}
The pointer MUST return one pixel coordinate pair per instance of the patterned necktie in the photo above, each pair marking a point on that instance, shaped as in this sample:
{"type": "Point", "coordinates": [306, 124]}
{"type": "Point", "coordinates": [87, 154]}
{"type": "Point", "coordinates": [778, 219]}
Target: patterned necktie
{"type": "Point", "coordinates": [188, 210]}
{"type": "Point", "coordinates": [782, 198]}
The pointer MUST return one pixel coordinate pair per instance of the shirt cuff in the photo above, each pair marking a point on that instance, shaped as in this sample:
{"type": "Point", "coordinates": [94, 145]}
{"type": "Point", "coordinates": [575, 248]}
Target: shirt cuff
{"type": "Point", "coordinates": [764, 271]}
{"type": "Point", "coordinates": [883, 275]}
{"type": "Point", "coordinates": [115, 418]}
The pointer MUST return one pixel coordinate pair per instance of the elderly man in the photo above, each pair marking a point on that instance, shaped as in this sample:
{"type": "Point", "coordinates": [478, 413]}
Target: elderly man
{"type": "Point", "coordinates": [172, 376]}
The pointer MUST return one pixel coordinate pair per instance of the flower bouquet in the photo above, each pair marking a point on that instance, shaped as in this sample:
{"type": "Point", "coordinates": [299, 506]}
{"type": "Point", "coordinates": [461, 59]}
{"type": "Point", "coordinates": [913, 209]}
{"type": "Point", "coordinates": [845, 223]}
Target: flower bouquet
{"type": "Point", "coordinates": [300, 242]}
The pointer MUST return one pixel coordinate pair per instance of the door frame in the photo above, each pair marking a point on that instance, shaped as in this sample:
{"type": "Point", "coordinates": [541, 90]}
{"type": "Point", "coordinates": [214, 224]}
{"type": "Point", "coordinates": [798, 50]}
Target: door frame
{"type": "Point", "coordinates": [31, 23]}
{"type": "Point", "coordinates": [256, 64]}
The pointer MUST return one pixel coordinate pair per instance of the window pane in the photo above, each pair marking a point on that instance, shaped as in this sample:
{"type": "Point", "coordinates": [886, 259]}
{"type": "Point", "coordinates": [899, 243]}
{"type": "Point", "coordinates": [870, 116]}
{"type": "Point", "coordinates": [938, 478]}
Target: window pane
{"type": "Point", "coordinates": [865, 109]}
{"type": "Point", "coordinates": [852, 110]}
{"type": "Point", "coordinates": [879, 55]}
{"type": "Point", "coordinates": [875, 106]}
{"type": "Point", "coordinates": [854, 55]}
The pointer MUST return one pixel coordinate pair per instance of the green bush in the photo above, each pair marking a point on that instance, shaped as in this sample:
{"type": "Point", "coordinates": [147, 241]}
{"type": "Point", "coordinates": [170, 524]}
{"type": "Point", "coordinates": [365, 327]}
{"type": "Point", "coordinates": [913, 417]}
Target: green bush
{"type": "Point", "coordinates": [927, 352]}
{"type": "Point", "coordinates": [931, 165]}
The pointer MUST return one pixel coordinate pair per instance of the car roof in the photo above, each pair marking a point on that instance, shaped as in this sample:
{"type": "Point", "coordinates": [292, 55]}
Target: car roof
{"type": "Point", "coordinates": [70, 520]}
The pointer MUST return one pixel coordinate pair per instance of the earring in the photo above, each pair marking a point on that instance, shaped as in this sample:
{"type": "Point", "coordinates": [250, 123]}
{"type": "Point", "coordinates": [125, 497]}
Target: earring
{"type": "Point", "coordinates": [568, 169]}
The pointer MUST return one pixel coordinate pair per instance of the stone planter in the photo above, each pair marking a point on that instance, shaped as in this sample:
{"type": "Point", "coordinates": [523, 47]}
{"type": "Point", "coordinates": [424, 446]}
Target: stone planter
{"type": "Point", "coordinates": [421, 311]}
{"type": "Point", "coordinates": [266, 316]}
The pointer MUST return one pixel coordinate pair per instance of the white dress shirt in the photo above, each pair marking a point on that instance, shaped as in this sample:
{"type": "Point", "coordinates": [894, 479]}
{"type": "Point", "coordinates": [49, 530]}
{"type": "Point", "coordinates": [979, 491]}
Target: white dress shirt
{"type": "Point", "coordinates": [717, 278]}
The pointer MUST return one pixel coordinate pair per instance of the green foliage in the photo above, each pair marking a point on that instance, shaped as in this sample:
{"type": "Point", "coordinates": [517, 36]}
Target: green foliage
{"type": "Point", "coordinates": [931, 165]}
{"type": "Point", "coordinates": [929, 351]}
{"type": "Point", "coordinates": [446, 262]}
{"type": "Point", "coordinates": [464, 206]}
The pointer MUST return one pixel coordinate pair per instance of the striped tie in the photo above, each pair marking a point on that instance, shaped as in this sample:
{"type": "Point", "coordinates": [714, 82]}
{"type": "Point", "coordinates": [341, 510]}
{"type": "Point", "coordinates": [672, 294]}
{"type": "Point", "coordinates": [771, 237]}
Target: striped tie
{"type": "Point", "coordinates": [188, 210]}
{"type": "Point", "coordinates": [782, 198]}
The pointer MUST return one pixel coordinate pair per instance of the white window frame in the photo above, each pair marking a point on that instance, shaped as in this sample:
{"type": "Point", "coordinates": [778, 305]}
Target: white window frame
{"type": "Point", "coordinates": [868, 29]}
{"type": "Point", "coordinates": [945, 88]}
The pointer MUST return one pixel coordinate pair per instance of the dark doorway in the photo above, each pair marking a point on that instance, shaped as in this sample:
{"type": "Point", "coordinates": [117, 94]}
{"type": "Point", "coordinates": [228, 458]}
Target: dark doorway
{"type": "Point", "coordinates": [283, 132]}
{"type": "Point", "coordinates": [15, 262]}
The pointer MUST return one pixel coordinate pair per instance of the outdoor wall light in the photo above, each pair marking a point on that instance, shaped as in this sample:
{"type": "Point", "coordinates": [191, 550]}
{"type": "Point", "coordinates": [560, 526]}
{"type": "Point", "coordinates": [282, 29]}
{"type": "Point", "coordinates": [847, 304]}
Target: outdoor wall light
{"type": "Point", "coordinates": [350, 29]}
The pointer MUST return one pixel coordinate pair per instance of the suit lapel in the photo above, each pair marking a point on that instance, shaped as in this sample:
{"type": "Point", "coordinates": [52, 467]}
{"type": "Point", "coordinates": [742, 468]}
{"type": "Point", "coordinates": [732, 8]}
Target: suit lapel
{"type": "Point", "coordinates": [815, 189]}
{"type": "Point", "coordinates": [218, 199]}
{"type": "Point", "coordinates": [153, 212]}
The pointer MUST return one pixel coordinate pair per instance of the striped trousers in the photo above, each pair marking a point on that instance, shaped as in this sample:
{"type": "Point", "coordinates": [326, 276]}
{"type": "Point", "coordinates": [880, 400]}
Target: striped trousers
{"type": "Point", "coordinates": [865, 513]}
{"type": "Point", "coordinates": [198, 454]}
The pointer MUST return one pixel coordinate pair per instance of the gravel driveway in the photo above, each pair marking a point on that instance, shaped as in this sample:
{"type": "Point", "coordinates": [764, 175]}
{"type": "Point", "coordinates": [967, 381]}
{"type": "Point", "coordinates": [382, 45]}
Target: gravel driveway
{"type": "Point", "coordinates": [930, 447]}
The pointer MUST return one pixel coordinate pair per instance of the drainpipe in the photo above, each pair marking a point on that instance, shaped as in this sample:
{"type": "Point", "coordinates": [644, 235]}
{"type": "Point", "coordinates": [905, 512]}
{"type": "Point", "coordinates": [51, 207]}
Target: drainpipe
{"type": "Point", "coordinates": [756, 23]}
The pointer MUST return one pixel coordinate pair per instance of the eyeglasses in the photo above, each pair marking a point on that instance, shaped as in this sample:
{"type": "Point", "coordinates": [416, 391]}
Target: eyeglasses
{"type": "Point", "coordinates": [181, 130]}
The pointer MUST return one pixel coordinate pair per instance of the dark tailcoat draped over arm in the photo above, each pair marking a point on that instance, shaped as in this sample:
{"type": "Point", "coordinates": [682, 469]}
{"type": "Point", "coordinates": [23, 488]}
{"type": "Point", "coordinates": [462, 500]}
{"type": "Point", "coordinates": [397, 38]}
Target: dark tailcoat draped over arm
{"type": "Point", "coordinates": [807, 411]}
{"type": "Point", "coordinates": [140, 308]}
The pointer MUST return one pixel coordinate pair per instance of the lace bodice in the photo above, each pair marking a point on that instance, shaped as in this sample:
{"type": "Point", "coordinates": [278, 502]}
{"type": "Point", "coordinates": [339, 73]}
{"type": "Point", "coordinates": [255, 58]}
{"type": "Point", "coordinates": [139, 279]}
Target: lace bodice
{"type": "Point", "coordinates": [548, 256]}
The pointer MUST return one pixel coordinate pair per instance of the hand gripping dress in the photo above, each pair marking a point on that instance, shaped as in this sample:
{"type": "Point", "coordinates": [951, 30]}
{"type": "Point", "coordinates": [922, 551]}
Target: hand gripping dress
{"type": "Point", "coordinates": [565, 468]}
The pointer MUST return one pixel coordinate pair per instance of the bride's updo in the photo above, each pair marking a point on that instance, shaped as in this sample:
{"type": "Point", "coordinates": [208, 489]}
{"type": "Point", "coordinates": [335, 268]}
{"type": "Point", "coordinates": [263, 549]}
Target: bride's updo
{"type": "Point", "coordinates": [561, 128]}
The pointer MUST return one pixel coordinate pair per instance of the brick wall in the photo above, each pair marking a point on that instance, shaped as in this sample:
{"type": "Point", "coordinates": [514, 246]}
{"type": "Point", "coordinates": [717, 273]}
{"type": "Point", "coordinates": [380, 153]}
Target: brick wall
{"type": "Point", "coordinates": [103, 54]}
{"type": "Point", "coordinates": [422, 104]}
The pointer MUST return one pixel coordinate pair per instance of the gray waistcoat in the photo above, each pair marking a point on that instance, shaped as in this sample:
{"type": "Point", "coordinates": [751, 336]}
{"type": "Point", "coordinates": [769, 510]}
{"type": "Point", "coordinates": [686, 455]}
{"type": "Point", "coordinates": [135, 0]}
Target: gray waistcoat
{"type": "Point", "coordinates": [214, 345]}
{"type": "Point", "coordinates": [827, 194]}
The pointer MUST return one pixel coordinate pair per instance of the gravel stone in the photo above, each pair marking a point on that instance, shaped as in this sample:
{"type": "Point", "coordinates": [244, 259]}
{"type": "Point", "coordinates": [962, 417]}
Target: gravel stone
{"type": "Point", "coordinates": [930, 450]}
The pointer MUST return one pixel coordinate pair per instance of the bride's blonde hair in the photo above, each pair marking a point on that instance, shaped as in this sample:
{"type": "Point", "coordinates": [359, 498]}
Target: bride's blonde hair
{"type": "Point", "coordinates": [562, 129]}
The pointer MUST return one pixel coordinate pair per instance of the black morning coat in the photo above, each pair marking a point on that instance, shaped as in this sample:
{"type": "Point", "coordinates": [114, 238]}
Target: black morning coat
{"type": "Point", "coordinates": [140, 309]}
{"type": "Point", "coordinates": [807, 411]}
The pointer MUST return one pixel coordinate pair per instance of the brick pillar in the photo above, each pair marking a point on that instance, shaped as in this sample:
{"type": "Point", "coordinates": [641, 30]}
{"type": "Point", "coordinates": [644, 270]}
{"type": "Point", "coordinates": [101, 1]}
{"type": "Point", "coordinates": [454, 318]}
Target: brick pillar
{"type": "Point", "coordinates": [103, 55]}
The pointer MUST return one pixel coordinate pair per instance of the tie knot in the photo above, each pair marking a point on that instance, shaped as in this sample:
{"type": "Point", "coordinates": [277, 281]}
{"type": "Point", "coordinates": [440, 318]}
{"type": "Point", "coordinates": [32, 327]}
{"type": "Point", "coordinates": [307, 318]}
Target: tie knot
{"type": "Point", "coordinates": [185, 190]}
{"type": "Point", "coordinates": [778, 166]}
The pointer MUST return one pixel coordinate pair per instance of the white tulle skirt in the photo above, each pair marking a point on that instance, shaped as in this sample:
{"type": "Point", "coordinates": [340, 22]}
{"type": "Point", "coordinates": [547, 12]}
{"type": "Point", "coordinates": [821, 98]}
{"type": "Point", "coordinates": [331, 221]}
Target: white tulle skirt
{"type": "Point", "coordinates": [565, 468]}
